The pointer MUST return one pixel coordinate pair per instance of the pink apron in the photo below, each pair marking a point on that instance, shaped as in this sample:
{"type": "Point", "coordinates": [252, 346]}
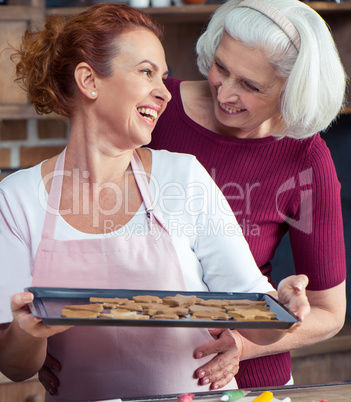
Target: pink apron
{"type": "Point", "coordinates": [115, 362]}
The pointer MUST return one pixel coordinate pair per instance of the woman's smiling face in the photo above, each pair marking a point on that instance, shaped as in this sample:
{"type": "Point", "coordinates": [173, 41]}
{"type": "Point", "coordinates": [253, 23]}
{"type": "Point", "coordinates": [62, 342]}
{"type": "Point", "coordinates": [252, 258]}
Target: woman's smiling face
{"type": "Point", "coordinates": [132, 99]}
{"type": "Point", "coordinates": [246, 90]}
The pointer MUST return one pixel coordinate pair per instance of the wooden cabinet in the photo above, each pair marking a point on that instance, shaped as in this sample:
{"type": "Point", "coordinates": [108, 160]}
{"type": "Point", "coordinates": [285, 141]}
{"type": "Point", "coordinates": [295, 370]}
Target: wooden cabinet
{"type": "Point", "coordinates": [324, 362]}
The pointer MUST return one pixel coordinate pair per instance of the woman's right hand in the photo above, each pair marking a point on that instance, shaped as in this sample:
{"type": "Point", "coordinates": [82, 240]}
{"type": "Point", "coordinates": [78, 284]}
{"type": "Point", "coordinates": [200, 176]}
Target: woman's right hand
{"type": "Point", "coordinates": [27, 322]}
{"type": "Point", "coordinates": [36, 328]}
{"type": "Point", "coordinates": [23, 343]}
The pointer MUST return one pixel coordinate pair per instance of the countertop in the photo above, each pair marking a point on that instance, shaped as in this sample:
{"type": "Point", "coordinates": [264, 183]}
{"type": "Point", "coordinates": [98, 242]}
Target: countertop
{"type": "Point", "coordinates": [335, 392]}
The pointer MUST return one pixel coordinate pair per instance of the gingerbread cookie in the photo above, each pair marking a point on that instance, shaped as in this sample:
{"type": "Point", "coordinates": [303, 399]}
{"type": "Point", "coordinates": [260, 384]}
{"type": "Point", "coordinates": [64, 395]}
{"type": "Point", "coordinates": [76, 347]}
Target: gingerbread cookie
{"type": "Point", "coordinates": [147, 299]}
{"type": "Point", "coordinates": [88, 307]}
{"type": "Point", "coordinates": [179, 300]}
{"type": "Point", "coordinates": [68, 313]}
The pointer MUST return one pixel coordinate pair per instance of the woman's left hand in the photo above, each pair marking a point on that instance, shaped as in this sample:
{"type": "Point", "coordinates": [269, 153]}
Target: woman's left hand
{"type": "Point", "coordinates": [228, 344]}
{"type": "Point", "coordinates": [292, 293]}
{"type": "Point", "coordinates": [223, 367]}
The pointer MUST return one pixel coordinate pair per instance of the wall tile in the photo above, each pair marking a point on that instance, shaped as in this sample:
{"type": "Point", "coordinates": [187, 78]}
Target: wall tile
{"type": "Point", "coordinates": [52, 128]}
{"type": "Point", "coordinates": [31, 156]}
{"type": "Point", "coordinates": [5, 158]}
{"type": "Point", "coordinates": [12, 130]}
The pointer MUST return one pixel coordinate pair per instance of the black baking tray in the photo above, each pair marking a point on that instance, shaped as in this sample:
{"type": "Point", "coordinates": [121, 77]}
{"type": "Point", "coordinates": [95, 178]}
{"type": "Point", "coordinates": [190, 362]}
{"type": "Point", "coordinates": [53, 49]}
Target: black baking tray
{"type": "Point", "coordinates": [48, 303]}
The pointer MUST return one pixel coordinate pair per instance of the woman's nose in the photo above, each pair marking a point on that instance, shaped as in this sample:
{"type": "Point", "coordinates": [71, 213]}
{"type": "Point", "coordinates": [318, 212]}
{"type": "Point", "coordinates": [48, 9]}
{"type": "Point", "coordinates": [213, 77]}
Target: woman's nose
{"type": "Point", "coordinates": [162, 93]}
{"type": "Point", "coordinates": [227, 93]}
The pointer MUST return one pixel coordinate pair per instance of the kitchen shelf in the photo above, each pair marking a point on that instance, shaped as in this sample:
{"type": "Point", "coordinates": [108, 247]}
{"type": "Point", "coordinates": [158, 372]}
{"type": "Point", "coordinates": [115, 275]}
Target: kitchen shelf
{"type": "Point", "coordinates": [184, 13]}
{"type": "Point", "coordinates": [20, 13]}
{"type": "Point", "coordinates": [202, 12]}
{"type": "Point", "coordinates": [24, 112]}
{"type": "Point", "coordinates": [173, 14]}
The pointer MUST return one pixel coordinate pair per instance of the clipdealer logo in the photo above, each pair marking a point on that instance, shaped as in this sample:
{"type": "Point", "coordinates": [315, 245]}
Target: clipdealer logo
{"type": "Point", "coordinates": [304, 223]}
{"type": "Point", "coordinates": [194, 199]}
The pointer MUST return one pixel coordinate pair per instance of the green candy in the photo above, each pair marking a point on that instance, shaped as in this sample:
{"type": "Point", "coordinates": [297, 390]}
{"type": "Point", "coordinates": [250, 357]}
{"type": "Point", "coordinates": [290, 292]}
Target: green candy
{"type": "Point", "coordinates": [231, 396]}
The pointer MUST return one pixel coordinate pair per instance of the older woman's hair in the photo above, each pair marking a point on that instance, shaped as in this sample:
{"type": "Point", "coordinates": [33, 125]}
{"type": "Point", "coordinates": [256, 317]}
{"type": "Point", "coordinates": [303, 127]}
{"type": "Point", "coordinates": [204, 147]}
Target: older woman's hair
{"type": "Point", "coordinates": [315, 85]}
{"type": "Point", "coordinates": [47, 59]}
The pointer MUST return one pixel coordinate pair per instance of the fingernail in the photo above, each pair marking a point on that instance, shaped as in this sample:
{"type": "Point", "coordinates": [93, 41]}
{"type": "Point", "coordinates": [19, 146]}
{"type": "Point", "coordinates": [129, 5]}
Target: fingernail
{"type": "Point", "coordinates": [215, 386]}
{"type": "Point", "coordinates": [27, 297]}
{"type": "Point", "coordinates": [205, 381]}
{"type": "Point", "coordinates": [201, 374]}
{"type": "Point", "coordinates": [199, 355]}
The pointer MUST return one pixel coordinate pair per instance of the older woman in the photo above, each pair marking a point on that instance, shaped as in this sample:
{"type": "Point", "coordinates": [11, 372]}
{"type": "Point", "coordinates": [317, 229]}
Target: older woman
{"type": "Point", "coordinates": [274, 80]}
{"type": "Point", "coordinates": [105, 213]}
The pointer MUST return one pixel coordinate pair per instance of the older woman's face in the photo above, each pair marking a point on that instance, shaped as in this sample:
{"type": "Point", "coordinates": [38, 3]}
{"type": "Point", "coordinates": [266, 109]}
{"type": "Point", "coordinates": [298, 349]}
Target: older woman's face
{"type": "Point", "coordinates": [245, 89]}
{"type": "Point", "coordinates": [132, 99]}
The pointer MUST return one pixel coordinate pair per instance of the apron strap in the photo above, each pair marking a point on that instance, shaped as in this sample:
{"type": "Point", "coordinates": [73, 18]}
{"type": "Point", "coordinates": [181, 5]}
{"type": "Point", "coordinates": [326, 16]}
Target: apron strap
{"type": "Point", "coordinates": [143, 185]}
{"type": "Point", "coordinates": [52, 209]}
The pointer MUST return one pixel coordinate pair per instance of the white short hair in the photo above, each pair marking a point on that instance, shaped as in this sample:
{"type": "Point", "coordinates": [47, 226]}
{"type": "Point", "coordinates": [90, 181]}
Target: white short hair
{"type": "Point", "coordinates": [315, 85]}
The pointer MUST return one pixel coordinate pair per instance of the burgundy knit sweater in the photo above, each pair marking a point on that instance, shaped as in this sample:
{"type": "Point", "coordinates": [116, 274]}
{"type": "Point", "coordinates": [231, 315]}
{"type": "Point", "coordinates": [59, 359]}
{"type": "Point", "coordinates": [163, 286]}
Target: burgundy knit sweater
{"type": "Point", "coordinates": [274, 187]}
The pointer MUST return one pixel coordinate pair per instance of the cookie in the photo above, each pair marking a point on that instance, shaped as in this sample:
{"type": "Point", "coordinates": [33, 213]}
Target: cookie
{"type": "Point", "coordinates": [246, 302]}
{"type": "Point", "coordinates": [212, 315]}
{"type": "Point", "coordinates": [68, 313]}
{"type": "Point", "coordinates": [125, 315]}
{"type": "Point", "coordinates": [163, 309]}
{"type": "Point", "coordinates": [179, 300]}
{"type": "Point", "coordinates": [265, 315]}
{"type": "Point", "coordinates": [250, 315]}
{"type": "Point", "coordinates": [214, 303]}
{"type": "Point", "coordinates": [88, 307]}
{"type": "Point", "coordinates": [132, 306]}
{"type": "Point", "coordinates": [239, 317]}
{"type": "Point", "coordinates": [114, 300]}
{"type": "Point", "coordinates": [147, 299]}
{"type": "Point", "coordinates": [198, 307]}
{"type": "Point", "coordinates": [260, 307]}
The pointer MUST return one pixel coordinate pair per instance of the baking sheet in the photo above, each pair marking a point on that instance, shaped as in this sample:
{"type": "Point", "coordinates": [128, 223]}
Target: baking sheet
{"type": "Point", "coordinates": [48, 303]}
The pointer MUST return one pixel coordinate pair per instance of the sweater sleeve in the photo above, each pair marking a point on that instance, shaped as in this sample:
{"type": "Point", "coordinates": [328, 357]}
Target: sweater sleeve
{"type": "Point", "coordinates": [221, 248]}
{"type": "Point", "coordinates": [316, 233]}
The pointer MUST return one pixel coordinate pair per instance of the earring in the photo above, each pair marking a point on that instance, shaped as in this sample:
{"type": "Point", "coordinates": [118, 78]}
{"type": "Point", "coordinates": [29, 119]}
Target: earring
{"type": "Point", "coordinates": [93, 93]}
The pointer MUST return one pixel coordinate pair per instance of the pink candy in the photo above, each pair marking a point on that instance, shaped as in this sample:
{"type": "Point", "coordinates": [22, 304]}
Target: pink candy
{"type": "Point", "coordinates": [186, 398]}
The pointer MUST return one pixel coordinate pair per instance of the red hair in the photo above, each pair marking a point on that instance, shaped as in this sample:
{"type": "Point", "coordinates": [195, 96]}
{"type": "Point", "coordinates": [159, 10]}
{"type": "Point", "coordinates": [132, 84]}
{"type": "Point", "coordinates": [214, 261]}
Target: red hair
{"type": "Point", "coordinates": [47, 58]}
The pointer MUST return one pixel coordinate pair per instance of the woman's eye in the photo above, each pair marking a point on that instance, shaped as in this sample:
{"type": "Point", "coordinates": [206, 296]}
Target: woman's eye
{"type": "Point", "coordinates": [147, 72]}
{"type": "Point", "coordinates": [250, 87]}
{"type": "Point", "coordinates": [219, 66]}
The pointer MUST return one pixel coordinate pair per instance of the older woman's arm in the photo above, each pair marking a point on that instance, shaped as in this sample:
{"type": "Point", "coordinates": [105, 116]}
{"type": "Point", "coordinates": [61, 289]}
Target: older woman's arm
{"type": "Point", "coordinates": [326, 318]}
